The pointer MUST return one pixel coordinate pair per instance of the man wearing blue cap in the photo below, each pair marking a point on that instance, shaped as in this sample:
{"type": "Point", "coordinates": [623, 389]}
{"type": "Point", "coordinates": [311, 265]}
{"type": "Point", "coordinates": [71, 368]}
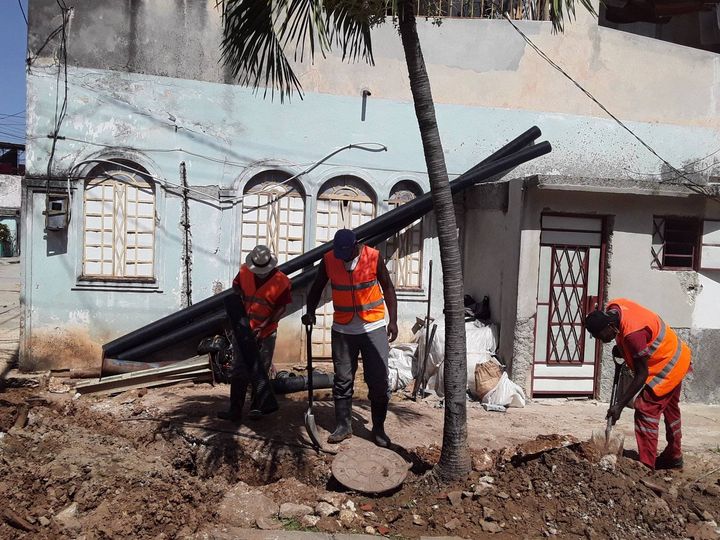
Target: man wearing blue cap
{"type": "Point", "coordinates": [361, 287]}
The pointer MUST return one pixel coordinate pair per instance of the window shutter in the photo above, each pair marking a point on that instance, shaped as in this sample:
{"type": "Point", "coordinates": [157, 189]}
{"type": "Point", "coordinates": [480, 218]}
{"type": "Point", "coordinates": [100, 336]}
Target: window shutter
{"type": "Point", "coordinates": [710, 248]}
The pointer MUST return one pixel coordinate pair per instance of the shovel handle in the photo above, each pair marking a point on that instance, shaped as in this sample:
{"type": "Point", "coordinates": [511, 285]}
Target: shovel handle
{"type": "Point", "coordinates": [308, 339]}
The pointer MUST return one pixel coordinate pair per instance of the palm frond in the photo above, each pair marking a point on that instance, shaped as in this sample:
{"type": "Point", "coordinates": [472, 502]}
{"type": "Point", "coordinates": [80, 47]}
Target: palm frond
{"type": "Point", "coordinates": [258, 35]}
{"type": "Point", "coordinates": [252, 49]}
{"type": "Point", "coordinates": [562, 9]}
{"type": "Point", "coordinates": [350, 23]}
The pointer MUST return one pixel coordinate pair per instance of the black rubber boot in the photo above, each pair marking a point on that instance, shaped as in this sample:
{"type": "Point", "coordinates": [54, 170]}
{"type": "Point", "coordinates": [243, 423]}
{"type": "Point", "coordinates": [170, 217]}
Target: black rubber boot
{"type": "Point", "coordinates": [343, 422]}
{"type": "Point", "coordinates": [378, 412]}
{"type": "Point", "coordinates": [238, 389]}
{"type": "Point", "coordinates": [263, 399]}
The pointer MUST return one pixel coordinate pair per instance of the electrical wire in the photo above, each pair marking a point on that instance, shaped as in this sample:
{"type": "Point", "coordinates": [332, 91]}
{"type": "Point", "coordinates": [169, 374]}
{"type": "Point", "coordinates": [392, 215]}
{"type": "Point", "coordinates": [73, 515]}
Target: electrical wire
{"type": "Point", "coordinates": [22, 10]}
{"type": "Point", "coordinates": [360, 146]}
{"type": "Point", "coordinates": [62, 67]}
{"type": "Point", "coordinates": [4, 116]}
{"type": "Point", "coordinates": [51, 36]}
{"type": "Point", "coordinates": [224, 161]}
{"type": "Point", "coordinates": [231, 202]}
{"type": "Point", "coordinates": [693, 185]}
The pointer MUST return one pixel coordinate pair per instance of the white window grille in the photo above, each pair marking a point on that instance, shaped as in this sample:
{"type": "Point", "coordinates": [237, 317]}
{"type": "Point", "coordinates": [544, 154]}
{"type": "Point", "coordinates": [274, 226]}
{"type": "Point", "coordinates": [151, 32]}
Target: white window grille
{"type": "Point", "coordinates": [344, 203]}
{"type": "Point", "coordinates": [119, 227]}
{"type": "Point", "coordinates": [273, 215]}
{"type": "Point", "coordinates": [404, 251]}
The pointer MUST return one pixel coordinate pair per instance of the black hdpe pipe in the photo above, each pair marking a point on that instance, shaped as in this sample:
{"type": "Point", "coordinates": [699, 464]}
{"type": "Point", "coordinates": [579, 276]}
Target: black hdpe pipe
{"type": "Point", "coordinates": [211, 323]}
{"type": "Point", "coordinates": [287, 385]}
{"type": "Point", "coordinates": [507, 157]}
{"type": "Point", "coordinates": [402, 216]}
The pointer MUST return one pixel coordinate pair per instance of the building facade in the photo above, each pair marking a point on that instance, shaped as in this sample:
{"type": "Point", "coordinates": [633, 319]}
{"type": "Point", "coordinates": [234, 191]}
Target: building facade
{"type": "Point", "coordinates": [170, 173]}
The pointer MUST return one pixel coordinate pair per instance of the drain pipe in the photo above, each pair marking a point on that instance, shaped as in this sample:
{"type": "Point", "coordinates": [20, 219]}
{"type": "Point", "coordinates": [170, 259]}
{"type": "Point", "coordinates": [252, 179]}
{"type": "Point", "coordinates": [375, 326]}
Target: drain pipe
{"type": "Point", "coordinates": [187, 239]}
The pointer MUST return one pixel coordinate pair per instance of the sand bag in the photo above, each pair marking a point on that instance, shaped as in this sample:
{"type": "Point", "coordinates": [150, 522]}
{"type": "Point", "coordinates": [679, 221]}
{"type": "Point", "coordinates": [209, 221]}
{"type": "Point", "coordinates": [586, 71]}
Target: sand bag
{"type": "Point", "coordinates": [487, 376]}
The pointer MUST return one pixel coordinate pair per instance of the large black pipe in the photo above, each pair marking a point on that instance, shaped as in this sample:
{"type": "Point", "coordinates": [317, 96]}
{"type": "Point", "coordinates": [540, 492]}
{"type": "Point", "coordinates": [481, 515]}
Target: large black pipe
{"type": "Point", "coordinates": [287, 385]}
{"type": "Point", "coordinates": [211, 323]}
{"type": "Point", "coordinates": [190, 328]}
{"type": "Point", "coordinates": [402, 216]}
{"type": "Point", "coordinates": [509, 156]}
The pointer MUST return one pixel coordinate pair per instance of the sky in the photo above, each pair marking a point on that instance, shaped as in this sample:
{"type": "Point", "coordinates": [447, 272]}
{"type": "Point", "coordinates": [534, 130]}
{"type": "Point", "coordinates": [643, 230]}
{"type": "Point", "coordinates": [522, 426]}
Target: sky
{"type": "Point", "coordinates": [13, 44]}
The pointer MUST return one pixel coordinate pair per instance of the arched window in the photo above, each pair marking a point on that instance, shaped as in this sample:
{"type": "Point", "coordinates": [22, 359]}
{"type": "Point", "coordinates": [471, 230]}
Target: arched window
{"type": "Point", "coordinates": [404, 251]}
{"type": "Point", "coordinates": [274, 215]}
{"type": "Point", "coordinates": [119, 223]}
{"type": "Point", "coordinates": [344, 202]}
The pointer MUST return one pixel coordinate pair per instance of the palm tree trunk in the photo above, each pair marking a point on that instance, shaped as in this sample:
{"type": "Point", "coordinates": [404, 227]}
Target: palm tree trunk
{"type": "Point", "coordinates": [455, 458]}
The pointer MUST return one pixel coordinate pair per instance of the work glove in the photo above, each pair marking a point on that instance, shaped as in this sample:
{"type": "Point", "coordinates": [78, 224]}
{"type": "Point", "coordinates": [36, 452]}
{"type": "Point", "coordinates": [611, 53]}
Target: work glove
{"type": "Point", "coordinates": [308, 319]}
{"type": "Point", "coordinates": [616, 352]}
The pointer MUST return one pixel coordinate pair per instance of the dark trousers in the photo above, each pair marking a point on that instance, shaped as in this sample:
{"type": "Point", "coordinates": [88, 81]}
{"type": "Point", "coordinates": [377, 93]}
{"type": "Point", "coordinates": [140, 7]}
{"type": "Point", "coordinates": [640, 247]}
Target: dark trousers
{"type": "Point", "coordinates": [648, 409]}
{"type": "Point", "coordinates": [375, 349]}
{"type": "Point", "coordinates": [247, 359]}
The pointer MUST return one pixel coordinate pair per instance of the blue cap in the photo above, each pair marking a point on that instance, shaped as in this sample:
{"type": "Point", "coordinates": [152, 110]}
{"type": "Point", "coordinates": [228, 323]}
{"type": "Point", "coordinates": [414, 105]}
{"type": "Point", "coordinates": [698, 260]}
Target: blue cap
{"type": "Point", "coordinates": [344, 244]}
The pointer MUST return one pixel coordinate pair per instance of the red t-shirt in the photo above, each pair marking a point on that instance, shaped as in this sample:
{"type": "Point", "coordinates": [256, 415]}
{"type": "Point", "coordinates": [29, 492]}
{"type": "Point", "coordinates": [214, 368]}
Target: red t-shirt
{"type": "Point", "coordinates": [283, 300]}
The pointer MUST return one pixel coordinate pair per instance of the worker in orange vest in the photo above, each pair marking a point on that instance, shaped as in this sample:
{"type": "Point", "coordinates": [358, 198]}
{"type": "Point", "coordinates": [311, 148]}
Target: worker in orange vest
{"type": "Point", "coordinates": [265, 294]}
{"type": "Point", "coordinates": [361, 287]}
{"type": "Point", "coordinates": [659, 360]}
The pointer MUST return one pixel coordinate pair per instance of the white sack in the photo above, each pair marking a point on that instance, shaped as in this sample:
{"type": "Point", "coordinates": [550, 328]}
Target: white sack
{"type": "Point", "coordinates": [481, 343]}
{"type": "Point", "coordinates": [505, 393]}
{"type": "Point", "coordinates": [400, 362]}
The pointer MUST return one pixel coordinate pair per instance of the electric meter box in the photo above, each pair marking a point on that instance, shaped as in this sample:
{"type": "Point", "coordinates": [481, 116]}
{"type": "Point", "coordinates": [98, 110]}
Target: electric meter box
{"type": "Point", "coordinates": [56, 213]}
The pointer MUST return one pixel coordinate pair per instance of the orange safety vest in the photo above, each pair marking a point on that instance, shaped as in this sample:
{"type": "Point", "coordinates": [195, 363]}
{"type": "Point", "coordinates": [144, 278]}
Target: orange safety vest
{"type": "Point", "coordinates": [669, 357]}
{"type": "Point", "coordinates": [357, 291]}
{"type": "Point", "coordinates": [261, 302]}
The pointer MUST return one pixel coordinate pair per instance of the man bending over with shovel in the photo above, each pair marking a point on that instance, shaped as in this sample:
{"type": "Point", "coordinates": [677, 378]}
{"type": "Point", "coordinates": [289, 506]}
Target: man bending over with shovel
{"type": "Point", "coordinates": [361, 287]}
{"type": "Point", "coordinates": [659, 361]}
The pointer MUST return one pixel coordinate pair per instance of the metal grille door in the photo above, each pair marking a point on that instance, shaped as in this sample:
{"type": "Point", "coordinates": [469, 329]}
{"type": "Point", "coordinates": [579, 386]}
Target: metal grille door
{"type": "Point", "coordinates": [568, 291]}
{"type": "Point", "coordinates": [568, 285]}
{"type": "Point", "coordinates": [341, 205]}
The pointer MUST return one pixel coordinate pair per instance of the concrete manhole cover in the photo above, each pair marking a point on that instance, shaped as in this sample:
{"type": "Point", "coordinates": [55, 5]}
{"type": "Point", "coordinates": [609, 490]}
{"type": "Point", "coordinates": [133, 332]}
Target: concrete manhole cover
{"type": "Point", "coordinates": [374, 471]}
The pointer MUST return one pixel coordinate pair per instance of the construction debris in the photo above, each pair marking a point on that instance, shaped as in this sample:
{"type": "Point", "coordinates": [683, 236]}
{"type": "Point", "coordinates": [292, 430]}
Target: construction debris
{"type": "Point", "coordinates": [194, 369]}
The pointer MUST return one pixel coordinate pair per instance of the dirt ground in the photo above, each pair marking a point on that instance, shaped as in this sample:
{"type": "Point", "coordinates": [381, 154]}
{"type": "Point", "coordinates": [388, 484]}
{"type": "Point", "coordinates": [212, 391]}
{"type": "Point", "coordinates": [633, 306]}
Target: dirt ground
{"type": "Point", "coordinates": [157, 464]}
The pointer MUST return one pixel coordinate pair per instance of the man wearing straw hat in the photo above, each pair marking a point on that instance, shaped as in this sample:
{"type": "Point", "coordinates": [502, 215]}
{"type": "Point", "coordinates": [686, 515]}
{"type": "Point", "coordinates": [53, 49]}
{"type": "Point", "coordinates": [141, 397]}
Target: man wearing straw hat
{"type": "Point", "coordinates": [265, 293]}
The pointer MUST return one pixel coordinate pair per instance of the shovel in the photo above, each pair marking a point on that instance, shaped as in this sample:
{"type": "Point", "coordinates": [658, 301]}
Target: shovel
{"type": "Point", "coordinates": [611, 444]}
{"type": "Point", "coordinates": [310, 426]}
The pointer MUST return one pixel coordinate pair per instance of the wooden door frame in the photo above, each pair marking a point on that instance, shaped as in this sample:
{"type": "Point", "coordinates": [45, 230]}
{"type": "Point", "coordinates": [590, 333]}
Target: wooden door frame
{"type": "Point", "coordinates": [602, 284]}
